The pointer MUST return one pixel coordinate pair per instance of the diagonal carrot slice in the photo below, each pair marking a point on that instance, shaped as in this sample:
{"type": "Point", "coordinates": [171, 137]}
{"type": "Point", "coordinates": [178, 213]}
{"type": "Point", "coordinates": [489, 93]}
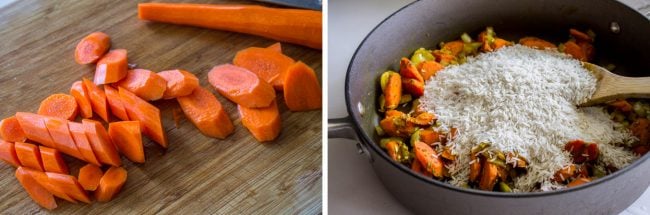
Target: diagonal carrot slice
{"type": "Point", "coordinates": [44, 181]}
{"type": "Point", "coordinates": [8, 153]}
{"type": "Point", "coordinates": [115, 103]}
{"type": "Point", "coordinates": [34, 127]}
{"type": "Point", "coordinates": [206, 113]}
{"type": "Point", "coordinates": [97, 99]}
{"type": "Point", "coordinates": [79, 135]}
{"type": "Point", "coordinates": [53, 161]}
{"type": "Point", "coordinates": [110, 184]}
{"type": "Point", "coordinates": [101, 143]}
{"type": "Point", "coordinates": [147, 114]}
{"type": "Point", "coordinates": [111, 67]}
{"type": "Point", "coordinates": [60, 133]}
{"type": "Point", "coordinates": [80, 93]}
{"type": "Point", "coordinates": [126, 136]}
{"type": "Point", "coordinates": [70, 186]}
{"type": "Point", "coordinates": [263, 123]}
{"type": "Point", "coordinates": [36, 191]}
{"type": "Point", "coordinates": [29, 155]}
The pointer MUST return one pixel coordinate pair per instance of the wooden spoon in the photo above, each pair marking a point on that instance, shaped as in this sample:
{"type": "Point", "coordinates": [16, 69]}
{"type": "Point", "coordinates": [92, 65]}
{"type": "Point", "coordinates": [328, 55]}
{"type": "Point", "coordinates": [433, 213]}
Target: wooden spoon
{"type": "Point", "coordinates": [612, 86]}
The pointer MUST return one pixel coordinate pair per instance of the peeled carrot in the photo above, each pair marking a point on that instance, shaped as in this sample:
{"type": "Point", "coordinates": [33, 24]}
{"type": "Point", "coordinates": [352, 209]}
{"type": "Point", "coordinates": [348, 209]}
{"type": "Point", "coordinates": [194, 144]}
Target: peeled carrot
{"type": "Point", "coordinates": [97, 99]}
{"type": "Point", "coordinates": [78, 133]}
{"type": "Point", "coordinates": [59, 105]}
{"type": "Point", "coordinates": [29, 155]}
{"type": "Point", "coordinates": [52, 160]}
{"type": "Point", "coordinates": [429, 69]}
{"type": "Point", "coordinates": [392, 91]}
{"type": "Point", "coordinates": [11, 131]}
{"type": "Point", "coordinates": [408, 70]}
{"type": "Point", "coordinates": [92, 47]}
{"type": "Point", "coordinates": [80, 93]}
{"type": "Point", "coordinates": [241, 86]}
{"type": "Point", "coordinates": [126, 136]}
{"type": "Point", "coordinates": [302, 27]}
{"type": "Point", "coordinates": [147, 114]}
{"type": "Point", "coordinates": [489, 176]}
{"type": "Point", "coordinates": [413, 86]}
{"type": "Point", "coordinates": [63, 140]}
{"type": "Point", "coordinates": [70, 186]}
{"type": "Point", "coordinates": [36, 191]}
{"type": "Point", "coordinates": [268, 64]}
{"type": "Point", "coordinates": [302, 91]}
{"type": "Point", "coordinates": [206, 113]}
{"type": "Point", "coordinates": [34, 127]}
{"type": "Point", "coordinates": [475, 167]}
{"type": "Point", "coordinates": [454, 47]}
{"type": "Point", "coordinates": [429, 136]}
{"type": "Point", "coordinates": [575, 51]}
{"type": "Point", "coordinates": [110, 184]}
{"type": "Point", "coordinates": [146, 84]}
{"type": "Point", "coordinates": [179, 83]}
{"type": "Point", "coordinates": [276, 47]}
{"type": "Point", "coordinates": [500, 43]}
{"type": "Point", "coordinates": [101, 143]}
{"type": "Point", "coordinates": [263, 123]}
{"type": "Point", "coordinates": [43, 180]}
{"type": "Point", "coordinates": [537, 43]}
{"type": "Point", "coordinates": [429, 159]}
{"type": "Point", "coordinates": [89, 176]}
{"type": "Point", "coordinates": [115, 103]}
{"type": "Point", "coordinates": [578, 35]}
{"type": "Point", "coordinates": [8, 153]}
{"type": "Point", "coordinates": [111, 67]}
{"type": "Point", "coordinates": [578, 181]}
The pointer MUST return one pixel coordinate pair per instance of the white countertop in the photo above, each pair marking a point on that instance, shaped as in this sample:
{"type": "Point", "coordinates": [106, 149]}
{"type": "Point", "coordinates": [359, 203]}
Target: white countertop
{"type": "Point", "coordinates": [353, 186]}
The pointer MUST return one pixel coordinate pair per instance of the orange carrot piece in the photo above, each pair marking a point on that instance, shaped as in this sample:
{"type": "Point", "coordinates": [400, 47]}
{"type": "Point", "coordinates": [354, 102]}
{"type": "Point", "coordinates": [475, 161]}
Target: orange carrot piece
{"type": "Point", "coordinates": [500, 43]}
{"type": "Point", "coordinates": [302, 91]}
{"type": "Point", "coordinates": [59, 105]}
{"type": "Point", "coordinates": [111, 67]}
{"type": "Point", "coordinates": [115, 103]}
{"type": "Point", "coordinates": [429, 159]}
{"type": "Point", "coordinates": [52, 160]}
{"type": "Point", "coordinates": [110, 184]}
{"type": "Point", "coordinates": [489, 176]}
{"type": "Point", "coordinates": [417, 167]}
{"type": "Point", "coordinates": [429, 136]}
{"type": "Point", "coordinates": [101, 143]}
{"type": "Point", "coordinates": [578, 35]}
{"type": "Point", "coordinates": [147, 114]}
{"type": "Point", "coordinates": [302, 27]}
{"type": "Point", "coordinates": [97, 99]}
{"type": "Point", "coordinates": [11, 131]}
{"type": "Point", "coordinates": [413, 86]}
{"type": "Point", "coordinates": [537, 43]}
{"type": "Point", "coordinates": [92, 47]}
{"type": "Point", "coordinates": [146, 84]}
{"type": "Point", "coordinates": [44, 181]}
{"type": "Point", "coordinates": [34, 127]}
{"type": "Point", "coordinates": [70, 186]}
{"type": "Point", "coordinates": [454, 47]}
{"type": "Point", "coordinates": [587, 49]}
{"type": "Point", "coordinates": [206, 113]}
{"type": "Point", "coordinates": [622, 105]}
{"type": "Point", "coordinates": [408, 70]}
{"type": "Point", "coordinates": [89, 176]}
{"type": "Point", "coordinates": [63, 140]}
{"type": "Point", "coordinates": [640, 128]}
{"type": "Point", "coordinates": [179, 83]}
{"type": "Point", "coordinates": [83, 145]}
{"type": "Point", "coordinates": [475, 167]}
{"type": "Point", "coordinates": [8, 153]}
{"type": "Point", "coordinates": [29, 155]}
{"type": "Point", "coordinates": [575, 51]}
{"type": "Point", "coordinates": [263, 123]}
{"type": "Point", "coordinates": [241, 86]}
{"type": "Point", "coordinates": [578, 181]}
{"type": "Point", "coordinates": [126, 136]}
{"type": "Point", "coordinates": [36, 191]}
{"type": "Point", "coordinates": [429, 69]}
{"type": "Point", "coordinates": [270, 65]}
{"type": "Point", "coordinates": [392, 91]}
{"type": "Point", "coordinates": [80, 93]}
{"type": "Point", "coordinates": [276, 47]}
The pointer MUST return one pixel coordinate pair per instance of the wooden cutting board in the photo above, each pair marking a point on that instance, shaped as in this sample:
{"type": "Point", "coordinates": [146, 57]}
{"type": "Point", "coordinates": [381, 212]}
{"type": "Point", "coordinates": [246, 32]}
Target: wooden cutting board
{"type": "Point", "coordinates": [197, 174]}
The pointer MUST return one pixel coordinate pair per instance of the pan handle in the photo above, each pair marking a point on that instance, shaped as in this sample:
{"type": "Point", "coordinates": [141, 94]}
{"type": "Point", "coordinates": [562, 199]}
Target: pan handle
{"type": "Point", "coordinates": [342, 128]}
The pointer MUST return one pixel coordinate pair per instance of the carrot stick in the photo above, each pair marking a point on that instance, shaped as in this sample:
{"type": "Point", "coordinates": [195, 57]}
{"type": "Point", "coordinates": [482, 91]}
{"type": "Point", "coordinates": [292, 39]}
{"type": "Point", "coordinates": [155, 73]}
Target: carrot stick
{"type": "Point", "coordinates": [110, 184]}
{"type": "Point", "coordinates": [29, 155]}
{"type": "Point", "coordinates": [34, 127]}
{"type": "Point", "coordinates": [111, 67]}
{"type": "Point", "coordinates": [429, 69]}
{"type": "Point", "coordinates": [59, 105]}
{"type": "Point", "coordinates": [537, 43]}
{"type": "Point", "coordinates": [429, 159]}
{"type": "Point", "coordinates": [36, 191]}
{"type": "Point", "coordinates": [302, 27]}
{"type": "Point", "coordinates": [126, 136]}
{"type": "Point", "coordinates": [241, 86]}
{"type": "Point", "coordinates": [179, 83]}
{"type": "Point", "coordinates": [8, 153]}
{"type": "Point", "coordinates": [302, 91]}
{"type": "Point", "coordinates": [115, 103]}
{"type": "Point", "coordinates": [146, 84]}
{"type": "Point", "coordinates": [44, 181]}
{"type": "Point", "coordinates": [263, 123]}
{"type": "Point", "coordinates": [206, 113]}
{"type": "Point", "coordinates": [97, 99]}
{"type": "Point", "coordinates": [268, 64]}
{"type": "Point", "coordinates": [101, 143]}
{"type": "Point", "coordinates": [63, 140]}
{"type": "Point", "coordinates": [52, 160]}
{"type": "Point", "coordinates": [83, 145]}
{"type": "Point", "coordinates": [475, 167]}
{"type": "Point", "coordinates": [276, 47]}
{"type": "Point", "coordinates": [147, 114]}
{"type": "Point", "coordinates": [11, 131]}
{"type": "Point", "coordinates": [92, 47]}
{"type": "Point", "coordinates": [89, 176]}
{"type": "Point", "coordinates": [392, 91]}
{"type": "Point", "coordinates": [70, 186]}
{"type": "Point", "coordinates": [80, 93]}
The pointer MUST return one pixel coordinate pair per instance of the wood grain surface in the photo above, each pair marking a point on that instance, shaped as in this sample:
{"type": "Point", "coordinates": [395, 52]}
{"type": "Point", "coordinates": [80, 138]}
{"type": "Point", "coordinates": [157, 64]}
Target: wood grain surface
{"type": "Point", "coordinates": [197, 174]}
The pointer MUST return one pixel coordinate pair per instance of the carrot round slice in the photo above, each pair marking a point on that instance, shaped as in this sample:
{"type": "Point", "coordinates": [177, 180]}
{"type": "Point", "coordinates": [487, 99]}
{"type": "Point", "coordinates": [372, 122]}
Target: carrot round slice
{"type": "Point", "coordinates": [80, 94]}
{"type": "Point", "coordinates": [44, 181]}
{"type": "Point", "coordinates": [92, 47]}
{"type": "Point", "coordinates": [126, 136]}
{"type": "Point", "coordinates": [8, 153]}
{"type": "Point", "coordinates": [36, 191]}
{"type": "Point", "coordinates": [83, 145]}
{"type": "Point", "coordinates": [34, 127]}
{"type": "Point", "coordinates": [115, 103]}
{"type": "Point", "coordinates": [263, 123]}
{"type": "Point", "coordinates": [11, 131]}
{"type": "Point", "coordinates": [59, 105]}
{"type": "Point", "coordinates": [97, 99]}
{"type": "Point", "coordinates": [110, 184]}
{"type": "Point", "coordinates": [206, 113]}
{"type": "Point", "coordinates": [29, 155]}
{"type": "Point", "coordinates": [302, 91]}
{"type": "Point", "coordinates": [147, 114]}
{"type": "Point", "coordinates": [179, 83]}
{"type": "Point", "coordinates": [53, 161]}
{"type": "Point", "coordinates": [268, 64]}
{"type": "Point", "coordinates": [63, 140]}
{"type": "Point", "coordinates": [146, 84]}
{"type": "Point", "coordinates": [70, 186]}
{"type": "Point", "coordinates": [241, 86]}
{"type": "Point", "coordinates": [101, 143]}
{"type": "Point", "coordinates": [89, 176]}
{"type": "Point", "coordinates": [111, 67]}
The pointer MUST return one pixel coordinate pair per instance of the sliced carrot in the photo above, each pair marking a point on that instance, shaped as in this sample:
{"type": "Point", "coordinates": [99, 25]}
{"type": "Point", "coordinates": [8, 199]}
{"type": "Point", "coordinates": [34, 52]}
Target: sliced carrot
{"type": "Point", "coordinates": [36, 191]}
{"type": "Point", "coordinates": [97, 99]}
{"type": "Point", "coordinates": [241, 86]}
{"type": "Point", "coordinates": [146, 84]}
{"type": "Point", "coordinates": [89, 176]}
{"type": "Point", "coordinates": [565, 173]}
{"type": "Point", "coordinates": [83, 145]}
{"type": "Point", "coordinates": [126, 136]}
{"type": "Point", "coordinates": [206, 113]}
{"type": "Point", "coordinates": [475, 165]}
{"type": "Point", "coordinates": [489, 176]}
{"type": "Point", "coordinates": [270, 65]}
{"type": "Point", "coordinates": [500, 43]}
{"type": "Point", "coordinates": [52, 160]}
{"type": "Point", "coordinates": [429, 136]}
{"type": "Point", "coordinates": [641, 129]}
{"type": "Point", "coordinates": [303, 27]}
{"type": "Point", "coordinates": [429, 158]}
{"type": "Point", "coordinates": [110, 184]}
{"type": "Point", "coordinates": [8, 153]}
{"type": "Point", "coordinates": [622, 105]}
{"type": "Point", "coordinates": [101, 143]}
{"type": "Point", "coordinates": [115, 103]}
{"type": "Point", "coordinates": [44, 181]}
{"type": "Point", "coordinates": [29, 155]}
{"type": "Point", "coordinates": [276, 47]}
{"type": "Point", "coordinates": [80, 93]}
{"type": "Point", "coordinates": [392, 91]}
{"type": "Point", "coordinates": [59, 105]}
{"type": "Point", "coordinates": [179, 83]}
{"type": "Point", "coordinates": [587, 49]}
{"type": "Point", "coordinates": [11, 131]}
{"type": "Point", "coordinates": [578, 181]}
{"type": "Point", "coordinates": [417, 167]}
{"type": "Point", "coordinates": [575, 51]}
{"type": "Point", "coordinates": [147, 114]}
{"type": "Point", "coordinates": [537, 43]}
{"type": "Point", "coordinates": [302, 91]}
{"type": "Point", "coordinates": [111, 67]}
{"type": "Point", "coordinates": [455, 47]}
{"type": "Point", "coordinates": [34, 127]}
{"type": "Point", "coordinates": [63, 140]}
{"type": "Point", "coordinates": [70, 186]}
{"type": "Point", "coordinates": [263, 123]}
{"type": "Point", "coordinates": [413, 86]}
{"type": "Point", "coordinates": [92, 47]}
{"type": "Point", "coordinates": [429, 69]}
{"type": "Point", "coordinates": [408, 70]}
{"type": "Point", "coordinates": [578, 35]}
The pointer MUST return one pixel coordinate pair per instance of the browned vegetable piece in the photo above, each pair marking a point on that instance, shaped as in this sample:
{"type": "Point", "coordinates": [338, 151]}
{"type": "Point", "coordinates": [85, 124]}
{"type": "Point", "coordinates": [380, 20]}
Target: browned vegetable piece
{"type": "Point", "coordinates": [488, 176]}
{"type": "Point", "coordinates": [579, 36]}
{"type": "Point", "coordinates": [429, 69]}
{"type": "Point", "coordinates": [413, 86]}
{"type": "Point", "coordinates": [578, 181]}
{"type": "Point", "coordinates": [565, 173]}
{"type": "Point", "coordinates": [474, 167]}
{"type": "Point", "coordinates": [429, 158]}
{"type": "Point", "coordinates": [575, 51]}
{"type": "Point", "coordinates": [429, 136]}
{"type": "Point", "coordinates": [408, 70]}
{"type": "Point", "coordinates": [393, 91]}
{"type": "Point", "coordinates": [500, 43]}
{"type": "Point", "coordinates": [576, 148]}
{"type": "Point", "coordinates": [446, 154]}
{"type": "Point", "coordinates": [396, 125]}
{"type": "Point", "coordinates": [423, 119]}
{"type": "Point", "coordinates": [454, 47]}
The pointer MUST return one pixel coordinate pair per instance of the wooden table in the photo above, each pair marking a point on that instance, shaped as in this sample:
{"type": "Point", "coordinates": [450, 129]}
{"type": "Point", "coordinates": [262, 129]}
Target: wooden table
{"type": "Point", "coordinates": [197, 174]}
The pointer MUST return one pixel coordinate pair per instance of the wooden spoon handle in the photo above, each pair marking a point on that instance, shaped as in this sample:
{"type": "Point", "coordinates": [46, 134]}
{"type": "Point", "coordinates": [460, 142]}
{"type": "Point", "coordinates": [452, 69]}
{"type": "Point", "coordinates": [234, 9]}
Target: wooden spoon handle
{"type": "Point", "coordinates": [613, 86]}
